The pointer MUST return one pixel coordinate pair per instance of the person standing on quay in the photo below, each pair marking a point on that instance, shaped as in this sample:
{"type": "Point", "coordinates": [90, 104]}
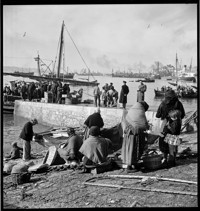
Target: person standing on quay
{"type": "Point", "coordinates": [97, 94]}
{"type": "Point", "coordinates": [26, 136]}
{"type": "Point", "coordinates": [123, 94]}
{"type": "Point", "coordinates": [141, 90]}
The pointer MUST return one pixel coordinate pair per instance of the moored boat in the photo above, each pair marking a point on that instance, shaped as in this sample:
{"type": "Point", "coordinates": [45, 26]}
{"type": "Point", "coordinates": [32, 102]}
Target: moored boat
{"type": "Point", "coordinates": [183, 94]}
{"type": "Point", "coordinates": [156, 76]}
{"type": "Point", "coordinates": [188, 95]}
{"type": "Point", "coordinates": [147, 80]}
{"type": "Point", "coordinates": [159, 93]}
{"type": "Point", "coordinates": [8, 109]}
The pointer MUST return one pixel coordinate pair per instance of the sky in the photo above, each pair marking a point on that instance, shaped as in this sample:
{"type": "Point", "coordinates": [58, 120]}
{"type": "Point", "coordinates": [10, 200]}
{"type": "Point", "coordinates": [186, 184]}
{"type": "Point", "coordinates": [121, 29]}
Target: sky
{"type": "Point", "coordinates": [118, 37]}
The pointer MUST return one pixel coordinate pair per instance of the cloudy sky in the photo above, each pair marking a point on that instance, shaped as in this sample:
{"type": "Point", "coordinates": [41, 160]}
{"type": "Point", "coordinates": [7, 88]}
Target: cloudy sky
{"type": "Point", "coordinates": [107, 36]}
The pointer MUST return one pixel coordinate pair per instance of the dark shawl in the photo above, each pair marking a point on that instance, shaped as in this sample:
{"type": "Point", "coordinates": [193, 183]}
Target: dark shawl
{"type": "Point", "coordinates": [170, 102]}
{"type": "Point", "coordinates": [96, 149]}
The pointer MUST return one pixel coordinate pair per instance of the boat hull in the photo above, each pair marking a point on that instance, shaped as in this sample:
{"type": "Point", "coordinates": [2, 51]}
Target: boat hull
{"type": "Point", "coordinates": [189, 95]}
{"type": "Point", "coordinates": [159, 93]}
{"type": "Point", "coordinates": [192, 79]}
{"type": "Point", "coordinates": [8, 109]}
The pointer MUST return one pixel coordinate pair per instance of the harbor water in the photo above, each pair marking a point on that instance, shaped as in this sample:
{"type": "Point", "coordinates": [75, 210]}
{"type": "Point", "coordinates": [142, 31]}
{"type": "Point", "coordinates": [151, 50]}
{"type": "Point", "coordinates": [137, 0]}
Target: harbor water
{"type": "Point", "coordinates": [189, 104]}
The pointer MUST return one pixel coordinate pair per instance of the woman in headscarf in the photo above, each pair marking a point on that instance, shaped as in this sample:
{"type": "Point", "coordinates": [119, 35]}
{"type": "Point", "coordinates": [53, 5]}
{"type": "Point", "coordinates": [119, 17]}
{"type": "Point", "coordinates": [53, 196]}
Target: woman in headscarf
{"type": "Point", "coordinates": [134, 124]}
{"type": "Point", "coordinates": [171, 102]}
{"type": "Point", "coordinates": [95, 148]}
{"type": "Point", "coordinates": [70, 148]}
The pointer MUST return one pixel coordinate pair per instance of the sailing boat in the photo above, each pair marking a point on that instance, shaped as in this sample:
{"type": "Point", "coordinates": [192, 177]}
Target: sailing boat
{"type": "Point", "coordinates": [186, 92]}
{"type": "Point", "coordinates": [58, 77]}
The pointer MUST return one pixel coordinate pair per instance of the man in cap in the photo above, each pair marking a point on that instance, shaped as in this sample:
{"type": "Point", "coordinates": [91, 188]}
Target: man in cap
{"type": "Point", "coordinates": [95, 148]}
{"type": "Point", "coordinates": [26, 136]}
{"type": "Point", "coordinates": [123, 94]}
{"type": "Point", "coordinates": [94, 119]}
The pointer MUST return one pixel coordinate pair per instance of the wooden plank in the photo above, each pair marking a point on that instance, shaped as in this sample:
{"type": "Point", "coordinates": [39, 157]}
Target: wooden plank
{"type": "Point", "coordinates": [142, 189]}
{"type": "Point", "coordinates": [156, 178]}
{"type": "Point", "coordinates": [189, 119]}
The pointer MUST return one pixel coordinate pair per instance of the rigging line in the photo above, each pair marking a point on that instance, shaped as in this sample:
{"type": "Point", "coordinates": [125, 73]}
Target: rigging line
{"type": "Point", "coordinates": [47, 66]}
{"type": "Point", "coordinates": [78, 51]}
{"type": "Point", "coordinates": [59, 41]}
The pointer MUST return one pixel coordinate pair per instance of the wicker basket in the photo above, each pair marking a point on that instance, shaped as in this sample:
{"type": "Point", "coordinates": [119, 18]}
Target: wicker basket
{"type": "Point", "coordinates": [152, 162]}
{"type": "Point", "coordinates": [21, 178]}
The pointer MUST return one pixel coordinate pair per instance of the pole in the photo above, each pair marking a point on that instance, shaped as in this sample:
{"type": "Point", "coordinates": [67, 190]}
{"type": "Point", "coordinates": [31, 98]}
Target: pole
{"type": "Point", "coordinates": [60, 52]}
{"type": "Point", "coordinates": [176, 69]}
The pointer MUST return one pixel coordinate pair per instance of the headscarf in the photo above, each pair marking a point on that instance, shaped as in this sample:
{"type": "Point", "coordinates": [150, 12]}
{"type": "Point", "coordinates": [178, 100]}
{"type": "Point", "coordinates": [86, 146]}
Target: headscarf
{"type": "Point", "coordinates": [170, 96]}
{"type": "Point", "coordinates": [145, 105]}
{"type": "Point", "coordinates": [136, 116]}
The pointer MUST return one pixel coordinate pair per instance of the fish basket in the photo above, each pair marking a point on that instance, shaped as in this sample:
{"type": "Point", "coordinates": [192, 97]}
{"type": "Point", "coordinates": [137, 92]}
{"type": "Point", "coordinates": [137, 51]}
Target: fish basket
{"type": "Point", "coordinates": [21, 178]}
{"type": "Point", "coordinates": [152, 162]}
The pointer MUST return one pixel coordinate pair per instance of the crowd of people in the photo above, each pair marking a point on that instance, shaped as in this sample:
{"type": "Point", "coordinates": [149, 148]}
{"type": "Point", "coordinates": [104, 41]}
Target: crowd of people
{"type": "Point", "coordinates": [35, 91]}
{"type": "Point", "coordinates": [92, 149]}
{"type": "Point", "coordinates": [107, 97]}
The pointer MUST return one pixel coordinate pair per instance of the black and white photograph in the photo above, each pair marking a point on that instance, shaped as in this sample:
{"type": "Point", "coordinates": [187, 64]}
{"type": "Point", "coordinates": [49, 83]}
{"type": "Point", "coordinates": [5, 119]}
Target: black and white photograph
{"type": "Point", "coordinates": [99, 105]}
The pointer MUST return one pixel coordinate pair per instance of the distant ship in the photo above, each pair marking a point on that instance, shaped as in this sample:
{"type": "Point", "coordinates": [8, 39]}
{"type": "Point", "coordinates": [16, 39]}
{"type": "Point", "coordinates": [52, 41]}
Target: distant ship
{"type": "Point", "coordinates": [24, 73]}
{"type": "Point", "coordinates": [187, 76]}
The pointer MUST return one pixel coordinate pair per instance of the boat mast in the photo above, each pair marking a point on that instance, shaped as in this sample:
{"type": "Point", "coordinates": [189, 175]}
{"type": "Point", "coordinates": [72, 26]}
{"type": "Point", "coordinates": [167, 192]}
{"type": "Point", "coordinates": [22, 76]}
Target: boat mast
{"type": "Point", "coordinates": [37, 59]}
{"type": "Point", "coordinates": [60, 51]}
{"type": "Point", "coordinates": [176, 69]}
{"type": "Point", "coordinates": [191, 65]}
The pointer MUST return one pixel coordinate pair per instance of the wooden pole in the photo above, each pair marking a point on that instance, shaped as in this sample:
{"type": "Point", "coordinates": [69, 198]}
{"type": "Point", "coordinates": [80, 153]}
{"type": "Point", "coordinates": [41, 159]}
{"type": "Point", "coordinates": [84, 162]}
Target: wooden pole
{"type": "Point", "coordinates": [156, 178]}
{"type": "Point", "coordinates": [142, 189]}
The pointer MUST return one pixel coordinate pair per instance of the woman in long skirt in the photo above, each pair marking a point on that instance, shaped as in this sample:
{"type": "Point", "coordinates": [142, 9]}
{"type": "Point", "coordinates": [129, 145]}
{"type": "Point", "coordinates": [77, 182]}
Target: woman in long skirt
{"type": "Point", "coordinates": [135, 123]}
